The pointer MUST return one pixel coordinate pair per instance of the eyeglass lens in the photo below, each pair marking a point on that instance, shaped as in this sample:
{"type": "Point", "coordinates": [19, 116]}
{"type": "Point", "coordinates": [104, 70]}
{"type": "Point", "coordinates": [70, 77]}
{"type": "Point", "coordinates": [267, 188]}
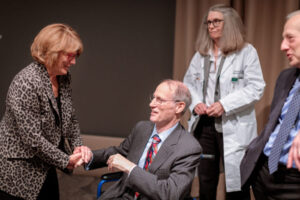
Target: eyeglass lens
{"type": "Point", "coordinates": [215, 22]}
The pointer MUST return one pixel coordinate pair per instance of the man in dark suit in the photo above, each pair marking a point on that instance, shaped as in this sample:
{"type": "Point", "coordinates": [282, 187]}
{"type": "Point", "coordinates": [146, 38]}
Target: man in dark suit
{"type": "Point", "coordinates": [271, 163]}
{"type": "Point", "coordinates": [170, 174]}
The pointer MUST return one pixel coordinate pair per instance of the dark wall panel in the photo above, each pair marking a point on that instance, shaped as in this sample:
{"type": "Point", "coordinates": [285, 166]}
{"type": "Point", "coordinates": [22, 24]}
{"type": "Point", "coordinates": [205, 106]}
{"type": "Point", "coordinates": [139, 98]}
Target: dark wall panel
{"type": "Point", "coordinates": [128, 49]}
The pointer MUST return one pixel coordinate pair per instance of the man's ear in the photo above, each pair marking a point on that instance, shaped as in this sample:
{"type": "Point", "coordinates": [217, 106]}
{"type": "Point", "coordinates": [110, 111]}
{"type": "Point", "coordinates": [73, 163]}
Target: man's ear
{"type": "Point", "coordinates": [180, 107]}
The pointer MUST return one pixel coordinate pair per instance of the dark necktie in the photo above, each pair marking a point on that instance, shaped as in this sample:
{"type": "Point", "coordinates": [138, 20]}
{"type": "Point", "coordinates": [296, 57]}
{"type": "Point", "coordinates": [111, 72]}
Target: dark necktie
{"type": "Point", "coordinates": [284, 131]}
{"type": "Point", "coordinates": [152, 151]}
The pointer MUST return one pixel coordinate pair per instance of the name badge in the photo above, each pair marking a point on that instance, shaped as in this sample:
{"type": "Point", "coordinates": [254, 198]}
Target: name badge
{"type": "Point", "coordinates": [237, 74]}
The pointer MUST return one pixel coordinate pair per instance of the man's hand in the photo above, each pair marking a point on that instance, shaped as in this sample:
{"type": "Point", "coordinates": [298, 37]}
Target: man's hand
{"type": "Point", "coordinates": [200, 109]}
{"type": "Point", "coordinates": [294, 153]}
{"type": "Point", "coordinates": [118, 162]}
{"type": "Point", "coordinates": [215, 110]}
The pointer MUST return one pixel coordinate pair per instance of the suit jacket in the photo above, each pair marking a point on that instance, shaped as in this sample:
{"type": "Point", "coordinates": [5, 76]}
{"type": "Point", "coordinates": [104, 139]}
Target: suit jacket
{"type": "Point", "coordinates": [170, 174]}
{"type": "Point", "coordinates": [284, 84]}
{"type": "Point", "coordinates": [31, 131]}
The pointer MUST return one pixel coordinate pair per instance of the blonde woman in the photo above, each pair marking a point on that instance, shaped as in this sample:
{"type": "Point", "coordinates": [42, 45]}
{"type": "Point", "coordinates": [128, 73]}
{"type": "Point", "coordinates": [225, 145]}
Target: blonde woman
{"type": "Point", "coordinates": [39, 119]}
{"type": "Point", "coordinates": [225, 80]}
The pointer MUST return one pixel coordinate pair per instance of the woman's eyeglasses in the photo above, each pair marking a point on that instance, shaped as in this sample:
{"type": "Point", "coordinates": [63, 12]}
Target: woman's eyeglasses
{"type": "Point", "coordinates": [215, 22]}
{"type": "Point", "coordinates": [71, 56]}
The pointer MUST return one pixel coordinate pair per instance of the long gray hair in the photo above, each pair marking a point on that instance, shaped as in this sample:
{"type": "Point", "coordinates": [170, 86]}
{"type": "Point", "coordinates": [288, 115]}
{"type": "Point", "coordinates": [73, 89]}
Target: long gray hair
{"type": "Point", "coordinates": [233, 35]}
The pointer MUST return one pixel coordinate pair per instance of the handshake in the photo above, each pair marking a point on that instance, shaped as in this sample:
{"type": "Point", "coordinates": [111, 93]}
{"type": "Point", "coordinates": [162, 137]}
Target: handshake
{"type": "Point", "coordinates": [81, 155]}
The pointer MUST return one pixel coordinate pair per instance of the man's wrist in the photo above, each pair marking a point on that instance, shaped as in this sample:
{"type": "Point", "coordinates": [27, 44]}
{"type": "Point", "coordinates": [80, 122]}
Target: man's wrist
{"type": "Point", "coordinates": [131, 168]}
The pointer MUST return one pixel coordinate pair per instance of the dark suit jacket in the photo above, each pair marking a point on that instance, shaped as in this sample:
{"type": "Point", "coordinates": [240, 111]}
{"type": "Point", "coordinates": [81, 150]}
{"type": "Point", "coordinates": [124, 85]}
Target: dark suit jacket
{"type": "Point", "coordinates": [31, 130]}
{"type": "Point", "coordinates": [284, 84]}
{"type": "Point", "coordinates": [171, 173]}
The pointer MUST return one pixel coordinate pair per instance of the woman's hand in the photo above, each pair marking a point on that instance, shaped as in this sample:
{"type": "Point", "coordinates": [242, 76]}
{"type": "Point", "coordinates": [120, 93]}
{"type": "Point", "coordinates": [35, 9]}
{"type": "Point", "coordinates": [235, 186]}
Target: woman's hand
{"type": "Point", "coordinates": [215, 110]}
{"type": "Point", "coordinates": [73, 160]}
{"type": "Point", "coordinates": [200, 109]}
{"type": "Point", "coordinates": [81, 155]}
{"type": "Point", "coordinates": [86, 153]}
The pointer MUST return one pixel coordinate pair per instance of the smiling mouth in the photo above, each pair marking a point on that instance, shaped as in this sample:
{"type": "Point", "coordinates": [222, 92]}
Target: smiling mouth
{"type": "Point", "coordinates": [153, 112]}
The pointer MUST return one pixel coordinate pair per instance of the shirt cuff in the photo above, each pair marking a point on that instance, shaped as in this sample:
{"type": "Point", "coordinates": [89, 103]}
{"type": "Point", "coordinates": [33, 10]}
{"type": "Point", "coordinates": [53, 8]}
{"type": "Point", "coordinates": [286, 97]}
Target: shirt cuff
{"type": "Point", "coordinates": [87, 166]}
{"type": "Point", "coordinates": [130, 170]}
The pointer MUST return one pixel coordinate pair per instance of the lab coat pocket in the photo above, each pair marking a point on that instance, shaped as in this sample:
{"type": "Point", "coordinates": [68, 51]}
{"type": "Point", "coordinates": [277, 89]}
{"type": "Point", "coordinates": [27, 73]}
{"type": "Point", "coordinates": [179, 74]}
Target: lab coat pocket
{"type": "Point", "coordinates": [198, 80]}
{"type": "Point", "coordinates": [244, 133]}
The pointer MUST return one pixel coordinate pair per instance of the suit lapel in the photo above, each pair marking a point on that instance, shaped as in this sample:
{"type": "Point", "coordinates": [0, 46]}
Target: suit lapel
{"type": "Point", "coordinates": [283, 94]}
{"type": "Point", "coordinates": [167, 149]}
{"type": "Point", "coordinates": [140, 144]}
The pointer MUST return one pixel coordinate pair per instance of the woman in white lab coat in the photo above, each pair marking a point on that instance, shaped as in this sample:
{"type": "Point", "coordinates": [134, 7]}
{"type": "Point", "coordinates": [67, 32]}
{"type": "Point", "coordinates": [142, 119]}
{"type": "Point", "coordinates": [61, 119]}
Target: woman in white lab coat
{"type": "Point", "coordinates": [225, 80]}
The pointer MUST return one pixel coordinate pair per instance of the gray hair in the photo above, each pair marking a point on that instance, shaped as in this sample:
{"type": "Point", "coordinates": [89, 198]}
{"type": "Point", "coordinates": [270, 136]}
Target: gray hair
{"type": "Point", "coordinates": [180, 92]}
{"type": "Point", "coordinates": [292, 14]}
{"type": "Point", "coordinates": [233, 35]}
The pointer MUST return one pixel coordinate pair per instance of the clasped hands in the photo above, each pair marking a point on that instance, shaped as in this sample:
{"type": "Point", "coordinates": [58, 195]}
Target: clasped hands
{"type": "Point", "coordinates": [83, 155]}
{"type": "Point", "coordinates": [214, 110]}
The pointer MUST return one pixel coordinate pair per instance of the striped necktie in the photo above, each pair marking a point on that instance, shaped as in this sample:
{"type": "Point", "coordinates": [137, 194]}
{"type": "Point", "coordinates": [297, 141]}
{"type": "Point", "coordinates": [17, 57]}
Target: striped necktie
{"type": "Point", "coordinates": [152, 151]}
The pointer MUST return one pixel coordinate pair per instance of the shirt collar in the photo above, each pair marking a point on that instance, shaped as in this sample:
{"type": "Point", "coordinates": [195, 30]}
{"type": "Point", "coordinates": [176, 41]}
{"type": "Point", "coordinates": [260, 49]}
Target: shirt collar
{"type": "Point", "coordinates": [163, 135]}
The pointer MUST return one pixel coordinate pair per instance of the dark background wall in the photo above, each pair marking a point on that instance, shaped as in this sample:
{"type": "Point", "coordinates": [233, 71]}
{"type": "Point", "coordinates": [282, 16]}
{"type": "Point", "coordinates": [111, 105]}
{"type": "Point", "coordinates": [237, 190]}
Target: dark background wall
{"type": "Point", "coordinates": [128, 50]}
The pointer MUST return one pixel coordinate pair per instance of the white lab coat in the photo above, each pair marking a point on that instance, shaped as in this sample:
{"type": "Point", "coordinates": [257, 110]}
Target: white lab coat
{"type": "Point", "coordinates": [241, 85]}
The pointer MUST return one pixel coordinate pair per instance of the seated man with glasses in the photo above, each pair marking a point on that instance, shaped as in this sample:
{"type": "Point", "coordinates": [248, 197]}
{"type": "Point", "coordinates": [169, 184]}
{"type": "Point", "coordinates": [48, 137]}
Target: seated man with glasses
{"type": "Point", "coordinates": [159, 157]}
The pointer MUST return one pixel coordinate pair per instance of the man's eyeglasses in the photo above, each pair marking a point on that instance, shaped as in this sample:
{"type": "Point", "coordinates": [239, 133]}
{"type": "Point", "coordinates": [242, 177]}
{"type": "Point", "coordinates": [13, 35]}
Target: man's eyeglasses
{"type": "Point", "coordinates": [161, 101]}
{"type": "Point", "coordinates": [215, 22]}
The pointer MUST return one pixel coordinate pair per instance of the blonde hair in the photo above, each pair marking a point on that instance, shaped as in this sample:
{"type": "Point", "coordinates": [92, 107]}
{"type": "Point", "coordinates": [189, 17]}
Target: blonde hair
{"type": "Point", "coordinates": [52, 40]}
{"type": "Point", "coordinates": [233, 34]}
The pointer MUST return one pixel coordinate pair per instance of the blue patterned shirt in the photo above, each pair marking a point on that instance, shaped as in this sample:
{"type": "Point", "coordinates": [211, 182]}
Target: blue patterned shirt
{"type": "Point", "coordinates": [284, 154]}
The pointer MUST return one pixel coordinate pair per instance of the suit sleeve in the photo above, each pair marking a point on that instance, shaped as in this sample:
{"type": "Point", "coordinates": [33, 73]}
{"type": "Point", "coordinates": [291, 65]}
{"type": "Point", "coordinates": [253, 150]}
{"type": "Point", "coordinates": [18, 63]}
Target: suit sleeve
{"type": "Point", "coordinates": [101, 156]}
{"type": "Point", "coordinates": [178, 183]}
{"type": "Point", "coordinates": [24, 103]}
